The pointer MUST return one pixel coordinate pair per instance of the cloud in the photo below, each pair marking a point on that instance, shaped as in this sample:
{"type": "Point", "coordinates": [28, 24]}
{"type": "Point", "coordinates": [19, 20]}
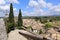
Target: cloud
{"type": "Point", "coordinates": [33, 13]}
{"type": "Point", "coordinates": [33, 3]}
{"type": "Point", "coordinates": [49, 5]}
{"type": "Point", "coordinates": [6, 7]}
{"type": "Point", "coordinates": [37, 5]}
{"type": "Point", "coordinates": [2, 2]}
{"type": "Point", "coordinates": [43, 8]}
{"type": "Point", "coordinates": [15, 9]}
{"type": "Point", "coordinates": [13, 1]}
{"type": "Point", "coordinates": [9, 1]}
{"type": "Point", "coordinates": [52, 11]}
{"type": "Point", "coordinates": [55, 8]}
{"type": "Point", "coordinates": [42, 3]}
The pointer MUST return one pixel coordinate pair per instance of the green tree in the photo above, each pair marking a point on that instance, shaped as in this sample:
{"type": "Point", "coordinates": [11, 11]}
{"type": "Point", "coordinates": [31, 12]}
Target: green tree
{"type": "Point", "coordinates": [20, 22]}
{"type": "Point", "coordinates": [47, 26]}
{"type": "Point", "coordinates": [11, 17]}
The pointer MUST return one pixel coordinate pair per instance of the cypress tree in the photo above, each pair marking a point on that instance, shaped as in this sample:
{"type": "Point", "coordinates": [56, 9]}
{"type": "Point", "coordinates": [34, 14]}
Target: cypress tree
{"type": "Point", "coordinates": [11, 17]}
{"type": "Point", "coordinates": [20, 22]}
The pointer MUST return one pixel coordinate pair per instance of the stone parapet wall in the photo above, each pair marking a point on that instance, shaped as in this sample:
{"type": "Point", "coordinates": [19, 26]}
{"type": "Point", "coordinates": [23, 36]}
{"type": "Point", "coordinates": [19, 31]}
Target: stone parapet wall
{"type": "Point", "coordinates": [3, 34]}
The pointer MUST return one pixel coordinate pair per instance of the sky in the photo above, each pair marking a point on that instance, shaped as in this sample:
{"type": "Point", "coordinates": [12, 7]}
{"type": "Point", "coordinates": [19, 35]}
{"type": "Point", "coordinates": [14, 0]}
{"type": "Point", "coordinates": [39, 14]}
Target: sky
{"type": "Point", "coordinates": [31, 7]}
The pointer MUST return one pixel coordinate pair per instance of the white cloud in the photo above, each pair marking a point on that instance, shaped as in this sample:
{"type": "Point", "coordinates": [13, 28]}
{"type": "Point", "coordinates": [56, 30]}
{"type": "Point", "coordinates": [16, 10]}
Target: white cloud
{"type": "Point", "coordinates": [42, 3]}
{"type": "Point", "coordinates": [15, 9]}
{"type": "Point", "coordinates": [33, 3]}
{"type": "Point", "coordinates": [13, 1]}
{"type": "Point", "coordinates": [9, 1]}
{"type": "Point", "coordinates": [39, 3]}
{"type": "Point", "coordinates": [2, 2]}
{"type": "Point", "coordinates": [33, 13]}
{"type": "Point", "coordinates": [38, 11]}
{"type": "Point", "coordinates": [49, 5]}
{"type": "Point", "coordinates": [38, 8]}
{"type": "Point", "coordinates": [55, 8]}
{"type": "Point", "coordinates": [4, 7]}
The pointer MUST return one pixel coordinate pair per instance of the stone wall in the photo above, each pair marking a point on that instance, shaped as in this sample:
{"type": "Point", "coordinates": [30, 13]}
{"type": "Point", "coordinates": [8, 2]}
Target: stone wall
{"type": "Point", "coordinates": [3, 34]}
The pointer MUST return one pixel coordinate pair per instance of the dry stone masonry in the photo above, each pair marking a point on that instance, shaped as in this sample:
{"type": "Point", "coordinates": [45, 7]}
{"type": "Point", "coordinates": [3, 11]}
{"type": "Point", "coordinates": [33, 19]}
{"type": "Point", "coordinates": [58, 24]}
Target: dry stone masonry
{"type": "Point", "coordinates": [3, 34]}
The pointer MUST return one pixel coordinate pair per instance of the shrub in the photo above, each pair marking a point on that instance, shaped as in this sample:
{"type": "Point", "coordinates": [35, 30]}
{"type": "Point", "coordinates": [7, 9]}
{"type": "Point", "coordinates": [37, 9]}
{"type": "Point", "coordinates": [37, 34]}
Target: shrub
{"type": "Point", "coordinates": [40, 31]}
{"type": "Point", "coordinates": [9, 27]}
{"type": "Point", "coordinates": [30, 28]}
{"type": "Point", "coordinates": [47, 25]}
